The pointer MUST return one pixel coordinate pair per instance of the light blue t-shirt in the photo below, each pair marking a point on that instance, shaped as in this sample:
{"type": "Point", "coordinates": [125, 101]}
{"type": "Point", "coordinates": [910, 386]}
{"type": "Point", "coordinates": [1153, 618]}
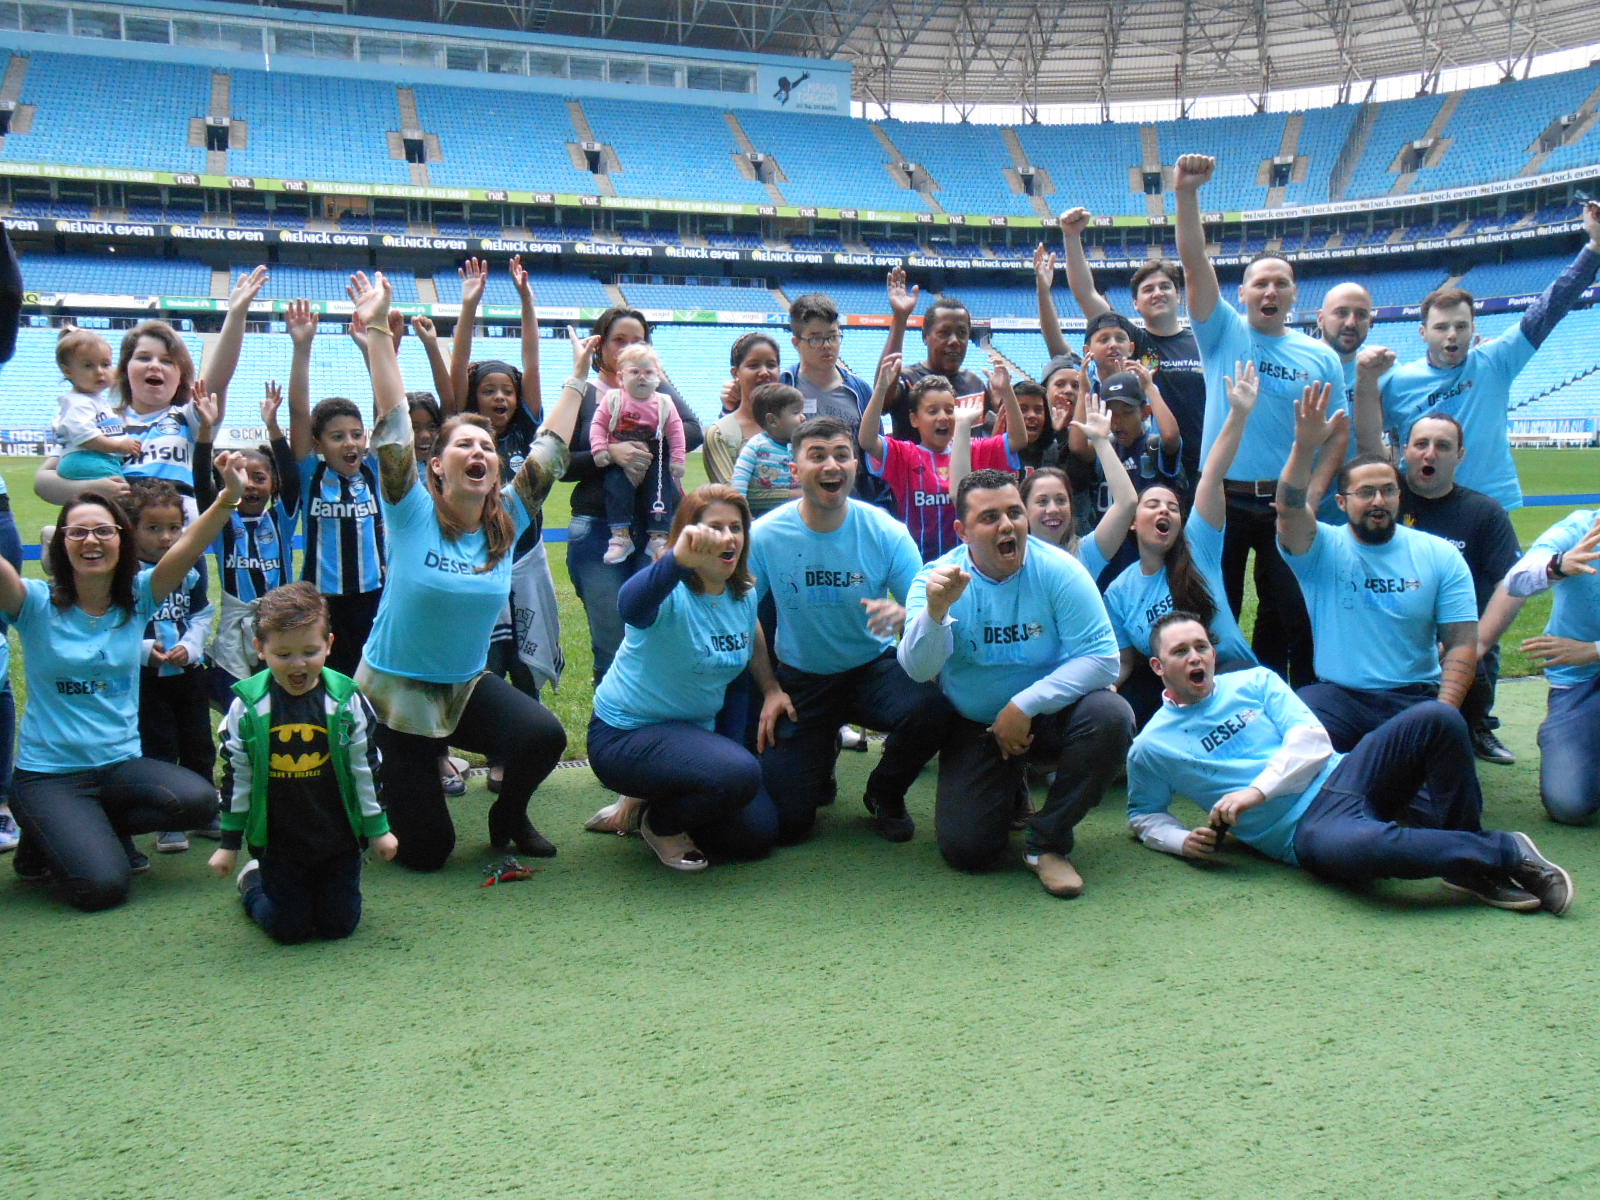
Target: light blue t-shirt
{"type": "Point", "coordinates": [680, 666]}
{"type": "Point", "coordinates": [1012, 634]}
{"type": "Point", "coordinates": [818, 581]}
{"type": "Point", "coordinates": [1376, 609]}
{"type": "Point", "coordinates": [437, 612]}
{"type": "Point", "coordinates": [83, 681]}
{"type": "Point", "coordinates": [1088, 553]}
{"type": "Point", "coordinates": [1284, 366]}
{"type": "Point", "coordinates": [1477, 394]}
{"type": "Point", "coordinates": [1204, 751]}
{"type": "Point", "coordinates": [1575, 612]}
{"type": "Point", "coordinates": [1136, 601]}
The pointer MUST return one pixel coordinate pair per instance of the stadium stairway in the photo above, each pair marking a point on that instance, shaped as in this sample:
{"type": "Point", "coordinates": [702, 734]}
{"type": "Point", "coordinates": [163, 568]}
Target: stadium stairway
{"type": "Point", "coordinates": [1288, 147]}
{"type": "Point", "coordinates": [898, 156]}
{"type": "Point", "coordinates": [1042, 184]}
{"type": "Point", "coordinates": [1589, 111]}
{"type": "Point", "coordinates": [995, 355]}
{"type": "Point", "coordinates": [585, 132]}
{"type": "Point", "coordinates": [746, 167]}
{"type": "Point", "coordinates": [1403, 180]}
{"type": "Point", "coordinates": [780, 299]}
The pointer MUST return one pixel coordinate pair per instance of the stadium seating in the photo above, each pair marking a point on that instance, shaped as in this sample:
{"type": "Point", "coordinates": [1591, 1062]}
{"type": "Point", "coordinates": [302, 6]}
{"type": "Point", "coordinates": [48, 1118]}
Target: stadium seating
{"type": "Point", "coordinates": [690, 296]}
{"type": "Point", "coordinates": [515, 137]}
{"type": "Point", "coordinates": [316, 127]}
{"type": "Point", "coordinates": [831, 162]}
{"type": "Point", "coordinates": [115, 275]}
{"type": "Point", "coordinates": [1088, 164]}
{"type": "Point", "coordinates": [1323, 134]}
{"type": "Point", "coordinates": [698, 163]}
{"type": "Point", "coordinates": [1239, 145]}
{"type": "Point", "coordinates": [564, 290]}
{"type": "Point", "coordinates": [966, 161]}
{"type": "Point", "coordinates": [1517, 278]}
{"type": "Point", "coordinates": [1397, 122]}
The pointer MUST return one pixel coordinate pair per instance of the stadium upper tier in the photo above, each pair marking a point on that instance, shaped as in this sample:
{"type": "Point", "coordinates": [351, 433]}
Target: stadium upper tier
{"type": "Point", "coordinates": [75, 111]}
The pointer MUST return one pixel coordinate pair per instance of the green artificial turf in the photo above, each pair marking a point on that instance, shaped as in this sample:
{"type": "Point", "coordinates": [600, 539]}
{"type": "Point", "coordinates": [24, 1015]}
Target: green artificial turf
{"type": "Point", "coordinates": [845, 1019]}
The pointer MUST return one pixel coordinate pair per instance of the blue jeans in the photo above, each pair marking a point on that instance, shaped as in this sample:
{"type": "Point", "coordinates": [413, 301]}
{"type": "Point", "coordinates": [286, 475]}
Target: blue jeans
{"type": "Point", "coordinates": [1569, 753]}
{"type": "Point", "coordinates": [11, 551]}
{"type": "Point", "coordinates": [694, 780]}
{"type": "Point", "coordinates": [1350, 714]}
{"type": "Point", "coordinates": [597, 584]}
{"type": "Point", "coordinates": [1416, 768]}
{"type": "Point", "coordinates": [74, 823]}
{"type": "Point", "coordinates": [294, 900]}
{"type": "Point", "coordinates": [798, 769]}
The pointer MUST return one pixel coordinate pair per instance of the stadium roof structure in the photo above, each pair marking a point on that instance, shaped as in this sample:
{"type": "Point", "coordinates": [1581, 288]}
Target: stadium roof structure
{"type": "Point", "coordinates": [1038, 52]}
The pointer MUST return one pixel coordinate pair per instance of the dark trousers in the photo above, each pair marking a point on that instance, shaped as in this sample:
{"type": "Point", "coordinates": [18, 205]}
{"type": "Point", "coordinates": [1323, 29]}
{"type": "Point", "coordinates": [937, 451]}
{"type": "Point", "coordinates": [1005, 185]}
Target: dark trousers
{"type": "Point", "coordinates": [11, 551]}
{"type": "Point", "coordinates": [175, 719]}
{"type": "Point", "coordinates": [634, 507]}
{"type": "Point", "coordinates": [500, 723]}
{"type": "Point", "coordinates": [1350, 714]}
{"type": "Point", "coordinates": [350, 621]}
{"type": "Point", "coordinates": [295, 900]}
{"type": "Point", "coordinates": [1403, 804]}
{"type": "Point", "coordinates": [74, 823]}
{"type": "Point", "coordinates": [878, 694]}
{"type": "Point", "coordinates": [597, 583]}
{"type": "Point", "coordinates": [1478, 704]}
{"type": "Point", "coordinates": [695, 781]}
{"type": "Point", "coordinates": [1086, 742]}
{"type": "Point", "coordinates": [1569, 753]}
{"type": "Point", "coordinates": [1282, 637]}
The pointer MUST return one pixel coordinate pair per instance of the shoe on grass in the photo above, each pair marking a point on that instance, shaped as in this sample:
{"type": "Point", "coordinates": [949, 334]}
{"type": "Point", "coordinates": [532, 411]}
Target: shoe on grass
{"type": "Point", "coordinates": [173, 841]}
{"type": "Point", "coordinates": [1543, 878]}
{"type": "Point", "coordinates": [138, 861]}
{"type": "Point", "coordinates": [10, 835]}
{"type": "Point", "coordinates": [620, 817]}
{"type": "Point", "coordinates": [212, 832]}
{"type": "Point", "coordinates": [890, 820]}
{"type": "Point", "coordinates": [1498, 892]}
{"type": "Point", "coordinates": [675, 850]}
{"type": "Point", "coordinates": [1056, 874]}
{"type": "Point", "coordinates": [248, 876]}
{"type": "Point", "coordinates": [853, 737]}
{"type": "Point", "coordinates": [1487, 746]}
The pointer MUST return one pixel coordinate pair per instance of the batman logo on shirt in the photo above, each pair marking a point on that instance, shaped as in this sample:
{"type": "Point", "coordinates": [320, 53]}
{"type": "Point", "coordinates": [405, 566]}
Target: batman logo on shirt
{"type": "Point", "coordinates": [310, 758]}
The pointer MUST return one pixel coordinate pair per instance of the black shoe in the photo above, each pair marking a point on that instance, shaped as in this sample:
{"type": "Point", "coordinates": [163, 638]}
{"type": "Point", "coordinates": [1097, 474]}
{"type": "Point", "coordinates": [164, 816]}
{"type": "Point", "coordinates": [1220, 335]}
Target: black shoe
{"type": "Point", "coordinates": [519, 834]}
{"type": "Point", "coordinates": [138, 861]}
{"type": "Point", "coordinates": [1490, 748]}
{"type": "Point", "coordinates": [890, 819]}
{"type": "Point", "coordinates": [1500, 893]}
{"type": "Point", "coordinates": [1542, 877]}
{"type": "Point", "coordinates": [30, 865]}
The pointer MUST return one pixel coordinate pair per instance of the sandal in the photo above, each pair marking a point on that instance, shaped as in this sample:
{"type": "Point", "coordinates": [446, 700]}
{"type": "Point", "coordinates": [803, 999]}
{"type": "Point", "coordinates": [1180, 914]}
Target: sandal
{"type": "Point", "coordinates": [620, 817]}
{"type": "Point", "coordinates": [677, 851]}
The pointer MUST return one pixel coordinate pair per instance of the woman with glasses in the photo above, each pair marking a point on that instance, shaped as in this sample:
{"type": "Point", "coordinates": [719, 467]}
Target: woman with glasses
{"type": "Point", "coordinates": [81, 784]}
{"type": "Point", "coordinates": [1180, 565]}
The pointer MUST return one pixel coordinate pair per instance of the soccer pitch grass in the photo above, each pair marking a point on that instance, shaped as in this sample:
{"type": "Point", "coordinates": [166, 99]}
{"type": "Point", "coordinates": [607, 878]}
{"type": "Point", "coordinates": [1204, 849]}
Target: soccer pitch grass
{"type": "Point", "coordinates": [848, 1018]}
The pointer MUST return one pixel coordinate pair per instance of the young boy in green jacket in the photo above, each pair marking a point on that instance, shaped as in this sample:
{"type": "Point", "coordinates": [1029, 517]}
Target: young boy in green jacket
{"type": "Point", "coordinates": [300, 778]}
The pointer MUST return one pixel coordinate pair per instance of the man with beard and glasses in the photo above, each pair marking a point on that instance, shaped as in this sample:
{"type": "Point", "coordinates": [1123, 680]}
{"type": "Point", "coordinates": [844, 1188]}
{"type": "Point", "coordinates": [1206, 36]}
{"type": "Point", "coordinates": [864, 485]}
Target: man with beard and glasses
{"type": "Point", "coordinates": [1024, 652]}
{"type": "Point", "coordinates": [1405, 804]}
{"type": "Point", "coordinates": [1383, 599]}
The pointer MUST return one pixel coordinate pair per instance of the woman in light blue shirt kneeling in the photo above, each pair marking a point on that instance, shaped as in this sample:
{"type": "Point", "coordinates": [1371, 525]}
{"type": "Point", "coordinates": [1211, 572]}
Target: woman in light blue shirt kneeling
{"type": "Point", "coordinates": [664, 728]}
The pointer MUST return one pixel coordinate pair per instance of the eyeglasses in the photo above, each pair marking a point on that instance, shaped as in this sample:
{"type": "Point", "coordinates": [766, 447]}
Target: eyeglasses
{"type": "Point", "coordinates": [1389, 491]}
{"type": "Point", "coordinates": [821, 341]}
{"type": "Point", "coordinates": [100, 533]}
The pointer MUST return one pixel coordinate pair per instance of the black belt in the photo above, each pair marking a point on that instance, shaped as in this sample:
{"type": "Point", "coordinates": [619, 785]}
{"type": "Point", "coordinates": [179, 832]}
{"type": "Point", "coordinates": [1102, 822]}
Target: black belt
{"type": "Point", "coordinates": [1256, 489]}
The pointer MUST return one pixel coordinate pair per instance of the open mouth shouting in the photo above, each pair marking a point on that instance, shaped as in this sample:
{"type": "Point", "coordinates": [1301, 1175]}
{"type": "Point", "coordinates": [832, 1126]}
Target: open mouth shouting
{"type": "Point", "coordinates": [1008, 547]}
{"type": "Point", "coordinates": [1163, 526]}
{"type": "Point", "coordinates": [833, 485]}
{"type": "Point", "coordinates": [477, 471]}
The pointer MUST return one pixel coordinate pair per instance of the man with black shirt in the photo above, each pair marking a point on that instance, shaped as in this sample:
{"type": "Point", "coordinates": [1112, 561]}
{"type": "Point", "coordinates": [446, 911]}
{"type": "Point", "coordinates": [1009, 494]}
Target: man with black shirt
{"type": "Point", "coordinates": [1165, 344]}
{"type": "Point", "coordinates": [947, 332]}
{"type": "Point", "coordinates": [1431, 501]}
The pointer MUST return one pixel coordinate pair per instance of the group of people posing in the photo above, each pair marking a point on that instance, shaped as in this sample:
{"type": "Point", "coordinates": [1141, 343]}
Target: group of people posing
{"type": "Point", "coordinates": [1038, 583]}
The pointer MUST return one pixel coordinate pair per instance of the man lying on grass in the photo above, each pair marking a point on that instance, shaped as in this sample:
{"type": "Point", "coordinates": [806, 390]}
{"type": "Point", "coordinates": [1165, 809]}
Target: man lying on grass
{"type": "Point", "coordinates": [1249, 752]}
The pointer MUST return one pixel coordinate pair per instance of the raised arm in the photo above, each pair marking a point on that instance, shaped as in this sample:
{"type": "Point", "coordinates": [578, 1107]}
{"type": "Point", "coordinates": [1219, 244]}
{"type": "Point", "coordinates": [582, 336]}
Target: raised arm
{"type": "Point", "coordinates": [1079, 278]}
{"type": "Point", "coordinates": [1016, 427]}
{"type": "Point", "coordinates": [1113, 528]}
{"type": "Point", "coordinates": [968, 414]}
{"type": "Point", "coordinates": [437, 367]}
{"type": "Point", "coordinates": [1297, 524]}
{"type": "Point", "coordinates": [224, 357]}
{"type": "Point", "coordinates": [1372, 363]}
{"type": "Point", "coordinates": [302, 324]}
{"type": "Point", "coordinates": [531, 395]}
{"type": "Point", "coordinates": [169, 573]}
{"type": "Point", "coordinates": [1044, 277]}
{"type": "Point", "coordinates": [1209, 500]}
{"type": "Point", "coordinates": [474, 274]}
{"type": "Point", "coordinates": [563, 418]}
{"type": "Point", "coordinates": [383, 363]}
{"type": "Point", "coordinates": [869, 436]}
{"type": "Point", "coordinates": [1566, 289]}
{"type": "Point", "coordinates": [1166, 423]}
{"type": "Point", "coordinates": [902, 304]}
{"type": "Point", "coordinates": [205, 437]}
{"type": "Point", "coordinates": [1199, 276]}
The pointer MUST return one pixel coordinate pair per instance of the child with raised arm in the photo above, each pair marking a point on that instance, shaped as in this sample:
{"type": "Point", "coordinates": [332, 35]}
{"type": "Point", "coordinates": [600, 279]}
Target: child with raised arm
{"type": "Point", "coordinates": [345, 555]}
{"type": "Point", "coordinates": [300, 776]}
{"type": "Point", "coordinates": [93, 443]}
{"type": "Point", "coordinates": [255, 550]}
{"type": "Point", "coordinates": [637, 412]}
{"type": "Point", "coordinates": [764, 473]}
{"type": "Point", "coordinates": [919, 473]}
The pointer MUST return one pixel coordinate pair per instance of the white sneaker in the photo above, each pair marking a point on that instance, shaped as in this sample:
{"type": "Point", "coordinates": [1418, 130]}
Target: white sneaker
{"type": "Point", "coordinates": [247, 875]}
{"type": "Point", "coordinates": [10, 835]}
{"type": "Point", "coordinates": [852, 737]}
{"type": "Point", "coordinates": [618, 549]}
{"type": "Point", "coordinates": [656, 546]}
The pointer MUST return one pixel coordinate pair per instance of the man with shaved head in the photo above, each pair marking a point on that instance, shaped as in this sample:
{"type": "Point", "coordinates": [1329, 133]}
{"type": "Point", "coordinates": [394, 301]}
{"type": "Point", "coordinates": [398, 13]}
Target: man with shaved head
{"type": "Point", "coordinates": [1345, 319]}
